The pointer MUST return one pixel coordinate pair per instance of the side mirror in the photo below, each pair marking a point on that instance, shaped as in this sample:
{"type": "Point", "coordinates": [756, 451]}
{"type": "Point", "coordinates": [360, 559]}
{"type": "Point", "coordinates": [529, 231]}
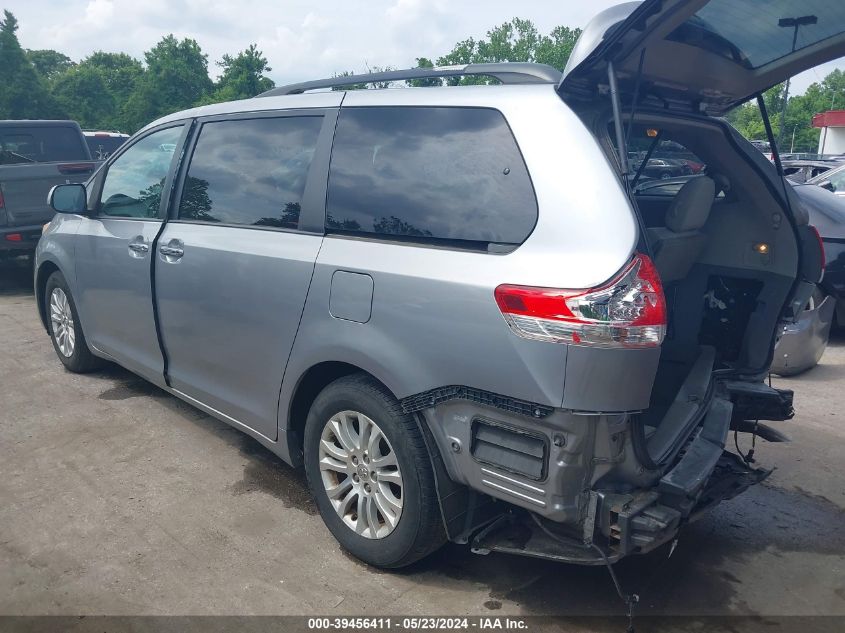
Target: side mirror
{"type": "Point", "coordinates": [826, 184]}
{"type": "Point", "coordinates": [68, 199]}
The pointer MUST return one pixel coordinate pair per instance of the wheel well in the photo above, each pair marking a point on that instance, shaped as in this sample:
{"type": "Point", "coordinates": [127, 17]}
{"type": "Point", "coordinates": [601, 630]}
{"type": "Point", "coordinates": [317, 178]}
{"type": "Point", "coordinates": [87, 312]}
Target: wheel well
{"type": "Point", "coordinates": [44, 272]}
{"type": "Point", "coordinates": [310, 385]}
{"type": "Point", "coordinates": [318, 378]}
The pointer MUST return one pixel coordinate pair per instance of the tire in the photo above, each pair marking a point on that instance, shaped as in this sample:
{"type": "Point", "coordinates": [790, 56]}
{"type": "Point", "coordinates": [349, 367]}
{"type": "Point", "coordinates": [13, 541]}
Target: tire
{"type": "Point", "coordinates": [64, 327]}
{"type": "Point", "coordinates": [352, 403]}
{"type": "Point", "coordinates": [665, 175]}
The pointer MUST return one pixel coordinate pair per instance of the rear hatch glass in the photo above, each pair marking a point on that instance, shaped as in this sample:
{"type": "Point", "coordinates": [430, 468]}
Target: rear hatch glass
{"type": "Point", "coordinates": [104, 146]}
{"type": "Point", "coordinates": [703, 56]}
{"type": "Point", "coordinates": [40, 145]}
{"type": "Point", "coordinates": [754, 34]}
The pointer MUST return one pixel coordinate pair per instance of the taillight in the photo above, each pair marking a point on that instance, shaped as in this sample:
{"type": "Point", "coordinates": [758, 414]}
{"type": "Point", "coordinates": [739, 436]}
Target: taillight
{"type": "Point", "coordinates": [628, 311]}
{"type": "Point", "coordinates": [14, 237]}
{"type": "Point", "coordinates": [818, 237]}
{"type": "Point", "coordinates": [76, 168]}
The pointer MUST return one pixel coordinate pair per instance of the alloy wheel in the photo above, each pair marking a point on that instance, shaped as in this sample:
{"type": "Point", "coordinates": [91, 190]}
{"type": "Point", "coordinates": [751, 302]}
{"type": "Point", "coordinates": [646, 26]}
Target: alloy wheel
{"type": "Point", "coordinates": [61, 317]}
{"type": "Point", "coordinates": [361, 474]}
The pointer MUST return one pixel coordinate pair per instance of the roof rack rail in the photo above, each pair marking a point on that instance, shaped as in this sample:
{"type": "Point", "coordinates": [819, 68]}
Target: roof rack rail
{"type": "Point", "coordinates": [505, 72]}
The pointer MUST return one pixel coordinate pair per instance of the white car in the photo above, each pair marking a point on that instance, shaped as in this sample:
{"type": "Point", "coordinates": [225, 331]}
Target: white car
{"type": "Point", "coordinates": [103, 144]}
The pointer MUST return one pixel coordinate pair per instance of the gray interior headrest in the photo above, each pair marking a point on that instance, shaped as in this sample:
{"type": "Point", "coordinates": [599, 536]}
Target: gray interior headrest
{"type": "Point", "coordinates": [691, 206]}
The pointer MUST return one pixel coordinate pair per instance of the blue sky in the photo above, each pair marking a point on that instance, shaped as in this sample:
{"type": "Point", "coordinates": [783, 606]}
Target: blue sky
{"type": "Point", "coordinates": [302, 39]}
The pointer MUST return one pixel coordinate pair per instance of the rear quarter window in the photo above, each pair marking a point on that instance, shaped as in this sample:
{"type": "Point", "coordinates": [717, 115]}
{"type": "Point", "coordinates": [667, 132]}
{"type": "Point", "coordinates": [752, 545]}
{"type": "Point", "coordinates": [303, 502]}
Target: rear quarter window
{"type": "Point", "coordinates": [40, 145]}
{"type": "Point", "coordinates": [429, 174]}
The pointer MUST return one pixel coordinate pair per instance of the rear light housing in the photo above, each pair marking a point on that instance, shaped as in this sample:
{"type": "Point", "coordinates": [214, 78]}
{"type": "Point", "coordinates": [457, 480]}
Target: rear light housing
{"type": "Point", "coordinates": [628, 311]}
{"type": "Point", "coordinates": [821, 246]}
{"type": "Point", "coordinates": [76, 168]}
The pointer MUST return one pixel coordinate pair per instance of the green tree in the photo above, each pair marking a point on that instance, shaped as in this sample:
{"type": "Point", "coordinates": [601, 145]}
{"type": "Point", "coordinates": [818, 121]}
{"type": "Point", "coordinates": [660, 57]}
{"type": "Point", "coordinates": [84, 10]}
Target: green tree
{"type": "Point", "coordinates": [514, 41]}
{"type": "Point", "coordinates": [799, 133]}
{"type": "Point", "coordinates": [747, 119]}
{"type": "Point", "coordinates": [347, 73]}
{"type": "Point", "coordinates": [379, 85]}
{"type": "Point", "coordinates": [424, 62]}
{"type": "Point", "coordinates": [120, 72]}
{"type": "Point", "coordinates": [23, 94]}
{"type": "Point", "coordinates": [375, 85]}
{"type": "Point", "coordinates": [176, 78]}
{"type": "Point", "coordinates": [49, 63]}
{"type": "Point", "coordinates": [555, 48]}
{"type": "Point", "coordinates": [84, 94]}
{"type": "Point", "coordinates": [243, 76]}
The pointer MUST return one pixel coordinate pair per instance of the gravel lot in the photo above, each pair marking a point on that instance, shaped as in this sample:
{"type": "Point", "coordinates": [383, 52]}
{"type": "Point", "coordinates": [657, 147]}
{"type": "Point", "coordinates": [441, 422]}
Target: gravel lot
{"type": "Point", "coordinates": [116, 498]}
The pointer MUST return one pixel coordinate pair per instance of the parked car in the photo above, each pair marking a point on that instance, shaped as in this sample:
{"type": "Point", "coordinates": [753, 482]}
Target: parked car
{"type": "Point", "coordinates": [458, 328]}
{"type": "Point", "coordinates": [803, 341]}
{"type": "Point", "coordinates": [34, 156]}
{"type": "Point", "coordinates": [103, 144]}
{"type": "Point", "coordinates": [833, 180]}
{"type": "Point", "coordinates": [664, 168]}
{"type": "Point", "coordinates": [827, 213]}
{"type": "Point", "coordinates": [802, 170]}
{"type": "Point", "coordinates": [667, 187]}
{"type": "Point", "coordinates": [763, 146]}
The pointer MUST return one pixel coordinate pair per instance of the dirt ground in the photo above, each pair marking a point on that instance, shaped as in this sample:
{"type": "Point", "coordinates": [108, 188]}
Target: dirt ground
{"type": "Point", "coordinates": [116, 498]}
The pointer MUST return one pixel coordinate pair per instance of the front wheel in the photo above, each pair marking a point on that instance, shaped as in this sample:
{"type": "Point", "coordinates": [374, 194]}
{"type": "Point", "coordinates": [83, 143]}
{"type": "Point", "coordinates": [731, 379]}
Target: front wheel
{"type": "Point", "coordinates": [370, 473]}
{"type": "Point", "coordinates": [65, 328]}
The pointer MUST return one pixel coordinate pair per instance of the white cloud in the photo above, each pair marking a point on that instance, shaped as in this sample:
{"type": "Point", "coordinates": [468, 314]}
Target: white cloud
{"type": "Point", "coordinates": [300, 38]}
{"type": "Point", "coordinates": [99, 12]}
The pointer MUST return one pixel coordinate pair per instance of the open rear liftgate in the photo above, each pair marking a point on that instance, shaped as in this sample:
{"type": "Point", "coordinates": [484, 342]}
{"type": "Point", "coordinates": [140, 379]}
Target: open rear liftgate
{"type": "Point", "coordinates": [703, 472]}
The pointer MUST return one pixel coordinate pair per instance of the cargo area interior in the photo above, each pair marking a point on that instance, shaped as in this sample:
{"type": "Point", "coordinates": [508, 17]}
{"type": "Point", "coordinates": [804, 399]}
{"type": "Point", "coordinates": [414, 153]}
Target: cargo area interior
{"type": "Point", "coordinates": [727, 257]}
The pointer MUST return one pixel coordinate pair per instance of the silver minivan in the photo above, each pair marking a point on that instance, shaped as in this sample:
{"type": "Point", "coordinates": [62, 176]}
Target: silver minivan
{"type": "Point", "coordinates": [450, 304]}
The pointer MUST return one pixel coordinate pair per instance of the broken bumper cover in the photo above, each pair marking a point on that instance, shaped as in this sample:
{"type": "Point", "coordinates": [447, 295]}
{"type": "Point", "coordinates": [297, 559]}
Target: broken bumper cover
{"type": "Point", "coordinates": [635, 523]}
{"type": "Point", "coordinates": [801, 344]}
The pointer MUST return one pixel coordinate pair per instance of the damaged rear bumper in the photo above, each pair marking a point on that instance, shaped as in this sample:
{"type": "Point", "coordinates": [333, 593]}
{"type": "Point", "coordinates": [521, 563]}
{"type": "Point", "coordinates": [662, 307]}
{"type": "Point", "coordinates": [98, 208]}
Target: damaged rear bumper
{"type": "Point", "coordinates": [636, 523]}
{"type": "Point", "coordinates": [570, 487]}
{"type": "Point", "coordinates": [617, 523]}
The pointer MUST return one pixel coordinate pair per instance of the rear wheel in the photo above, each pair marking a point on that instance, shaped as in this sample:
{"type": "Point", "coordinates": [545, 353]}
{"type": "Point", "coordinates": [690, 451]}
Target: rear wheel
{"type": "Point", "coordinates": [370, 473]}
{"type": "Point", "coordinates": [65, 329]}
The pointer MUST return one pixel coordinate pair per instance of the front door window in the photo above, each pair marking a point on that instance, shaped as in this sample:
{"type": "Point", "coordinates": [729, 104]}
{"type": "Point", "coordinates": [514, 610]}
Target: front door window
{"type": "Point", "coordinates": [134, 181]}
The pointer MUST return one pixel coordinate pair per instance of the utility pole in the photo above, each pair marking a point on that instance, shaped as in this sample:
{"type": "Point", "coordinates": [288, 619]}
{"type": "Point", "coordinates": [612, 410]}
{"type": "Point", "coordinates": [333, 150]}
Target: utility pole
{"type": "Point", "coordinates": [794, 23]}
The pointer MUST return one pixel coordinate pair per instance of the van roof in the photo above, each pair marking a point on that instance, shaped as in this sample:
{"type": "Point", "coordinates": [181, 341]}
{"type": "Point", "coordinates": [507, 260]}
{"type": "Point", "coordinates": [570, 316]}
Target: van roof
{"type": "Point", "coordinates": [504, 72]}
{"type": "Point", "coordinates": [491, 96]}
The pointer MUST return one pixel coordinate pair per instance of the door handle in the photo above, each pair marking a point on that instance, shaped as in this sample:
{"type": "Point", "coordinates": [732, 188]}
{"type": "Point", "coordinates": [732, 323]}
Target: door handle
{"type": "Point", "coordinates": [138, 247]}
{"type": "Point", "coordinates": [174, 252]}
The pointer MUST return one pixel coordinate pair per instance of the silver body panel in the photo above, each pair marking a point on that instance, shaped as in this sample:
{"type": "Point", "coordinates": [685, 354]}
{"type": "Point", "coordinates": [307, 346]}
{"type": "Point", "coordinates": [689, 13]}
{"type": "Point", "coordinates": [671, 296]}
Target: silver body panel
{"type": "Point", "coordinates": [229, 309]}
{"type": "Point", "coordinates": [236, 320]}
{"type": "Point", "coordinates": [234, 323]}
{"type": "Point", "coordinates": [114, 295]}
